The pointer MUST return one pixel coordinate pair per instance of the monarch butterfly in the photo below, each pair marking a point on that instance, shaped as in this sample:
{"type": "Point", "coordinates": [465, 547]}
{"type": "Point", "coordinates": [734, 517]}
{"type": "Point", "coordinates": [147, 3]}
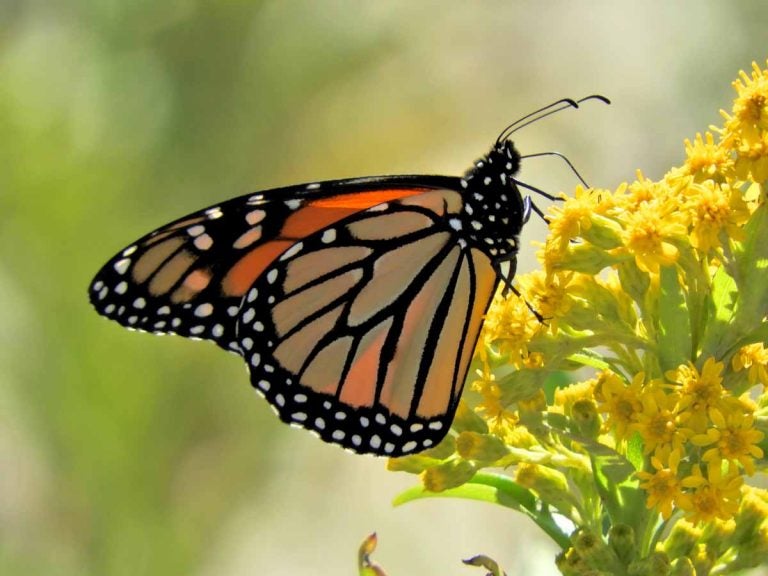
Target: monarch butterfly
{"type": "Point", "coordinates": [356, 304]}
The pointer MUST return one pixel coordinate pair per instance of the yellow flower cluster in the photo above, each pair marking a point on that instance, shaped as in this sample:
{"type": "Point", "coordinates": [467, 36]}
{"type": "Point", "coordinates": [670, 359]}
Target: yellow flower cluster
{"type": "Point", "coordinates": [659, 289]}
{"type": "Point", "coordinates": [634, 270]}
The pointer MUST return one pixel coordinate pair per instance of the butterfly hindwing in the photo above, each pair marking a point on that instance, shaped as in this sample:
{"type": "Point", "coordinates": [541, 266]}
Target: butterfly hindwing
{"type": "Point", "coordinates": [363, 331]}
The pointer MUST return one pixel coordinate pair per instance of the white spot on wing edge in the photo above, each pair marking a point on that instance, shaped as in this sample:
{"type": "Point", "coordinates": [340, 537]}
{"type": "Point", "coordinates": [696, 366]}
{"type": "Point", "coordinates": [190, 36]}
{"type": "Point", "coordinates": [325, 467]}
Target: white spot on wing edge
{"type": "Point", "coordinates": [203, 310]}
{"type": "Point", "coordinates": [121, 266]}
{"type": "Point", "coordinates": [255, 216]}
{"type": "Point", "coordinates": [203, 242]}
{"type": "Point", "coordinates": [196, 230]}
{"type": "Point", "coordinates": [408, 446]}
{"type": "Point", "coordinates": [214, 213]}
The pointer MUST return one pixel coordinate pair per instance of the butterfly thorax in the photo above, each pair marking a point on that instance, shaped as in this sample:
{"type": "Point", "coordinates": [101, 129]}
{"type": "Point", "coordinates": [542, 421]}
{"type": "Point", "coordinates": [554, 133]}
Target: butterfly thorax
{"type": "Point", "coordinates": [493, 212]}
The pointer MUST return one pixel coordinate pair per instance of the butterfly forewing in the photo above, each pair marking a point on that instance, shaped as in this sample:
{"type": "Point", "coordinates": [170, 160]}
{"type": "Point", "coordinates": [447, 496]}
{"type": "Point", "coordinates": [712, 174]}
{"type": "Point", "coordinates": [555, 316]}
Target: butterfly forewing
{"type": "Point", "coordinates": [189, 277]}
{"type": "Point", "coordinates": [364, 330]}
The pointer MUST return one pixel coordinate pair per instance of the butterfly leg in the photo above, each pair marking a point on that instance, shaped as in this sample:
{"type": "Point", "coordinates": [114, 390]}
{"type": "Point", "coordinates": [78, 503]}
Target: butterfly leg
{"type": "Point", "coordinates": [507, 277]}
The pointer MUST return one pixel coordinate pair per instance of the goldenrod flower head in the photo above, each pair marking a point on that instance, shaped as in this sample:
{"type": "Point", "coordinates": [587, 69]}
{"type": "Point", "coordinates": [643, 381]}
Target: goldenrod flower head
{"type": "Point", "coordinates": [650, 235]}
{"type": "Point", "coordinates": [546, 481]}
{"type": "Point", "coordinates": [753, 357]}
{"type": "Point", "coordinates": [621, 402]}
{"type": "Point", "coordinates": [682, 539]}
{"type": "Point", "coordinates": [732, 439]}
{"type": "Point", "coordinates": [570, 219]}
{"type": "Point", "coordinates": [699, 391]}
{"type": "Point", "coordinates": [657, 422]}
{"type": "Point", "coordinates": [663, 486]}
{"type": "Point", "coordinates": [746, 129]}
{"type": "Point", "coordinates": [715, 495]}
{"type": "Point", "coordinates": [508, 327]}
{"type": "Point", "coordinates": [640, 192]}
{"type": "Point", "coordinates": [548, 295]}
{"type": "Point", "coordinates": [566, 397]}
{"type": "Point", "coordinates": [500, 420]}
{"type": "Point", "coordinates": [753, 513]}
{"type": "Point", "coordinates": [715, 210]}
{"type": "Point", "coordinates": [706, 160]}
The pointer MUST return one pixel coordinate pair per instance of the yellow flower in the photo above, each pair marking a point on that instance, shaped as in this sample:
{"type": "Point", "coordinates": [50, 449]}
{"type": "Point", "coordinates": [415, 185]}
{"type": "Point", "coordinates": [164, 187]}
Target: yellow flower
{"type": "Point", "coordinates": [566, 397]}
{"type": "Point", "coordinates": [734, 438]}
{"type": "Point", "coordinates": [547, 295]}
{"type": "Point", "coordinates": [657, 420]}
{"type": "Point", "coordinates": [750, 109]}
{"type": "Point", "coordinates": [641, 191]}
{"type": "Point", "coordinates": [568, 220]}
{"type": "Point", "coordinates": [755, 358]}
{"type": "Point", "coordinates": [500, 420]}
{"type": "Point", "coordinates": [752, 159]}
{"type": "Point", "coordinates": [713, 496]}
{"type": "Point", "coordinates": [715, 208]}
{"type": "Point", "coordinates": [648, 236]}
{"type": "Point", "coordinates": [706, 159]}
{"type": "Point", "coordinates": [663, 486]}
{"type": "Point", "coordinates": [746, 130]}
{"type": "Point", "coordinates": [620, 401]}
{"type": "Point", "coordinates": [509, 326]}
{"type": "Point", "coordinates": [699, 392]}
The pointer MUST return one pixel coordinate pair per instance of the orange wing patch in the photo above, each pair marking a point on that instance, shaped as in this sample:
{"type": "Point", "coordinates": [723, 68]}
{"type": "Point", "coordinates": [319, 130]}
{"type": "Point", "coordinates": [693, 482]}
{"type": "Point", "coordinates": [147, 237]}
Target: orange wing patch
{"type": "Point", "coordinates": [243, 274]}
{"type": "Point", "coordinates": [365, 200]}
{"type": "Point", "coordinates": [311, 217]}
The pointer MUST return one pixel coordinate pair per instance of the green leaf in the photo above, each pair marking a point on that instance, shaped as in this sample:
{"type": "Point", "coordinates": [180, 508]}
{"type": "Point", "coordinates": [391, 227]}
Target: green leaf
{"type": "Point", "coordinates": [634, 451]}
{"type": "Point", "coordinates": [634, 281]}
{"type": "Point", "coordinates": [495, 489]}
{"type": "Point", "coordinates": [674, 321]}
{"type": "Point", "coordinates": [724, 297]}
{"type": "Point", "coordinates": [740, 295]}
{"type": "Point", "coordinates": [521, 384]}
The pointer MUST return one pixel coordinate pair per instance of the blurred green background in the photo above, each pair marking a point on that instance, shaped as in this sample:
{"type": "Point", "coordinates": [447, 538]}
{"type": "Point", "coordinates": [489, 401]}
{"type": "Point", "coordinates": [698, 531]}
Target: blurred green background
{"type": "Point", "coordinates": [124, 453]}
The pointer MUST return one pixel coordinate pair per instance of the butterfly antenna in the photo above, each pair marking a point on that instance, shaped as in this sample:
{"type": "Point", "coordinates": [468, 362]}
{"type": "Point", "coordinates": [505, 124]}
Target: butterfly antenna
{"type": "Point", "coordinates": [563, 158]}
{"type": "Point", "coordinates": [544, 112]}
{"type": "Point", "coordinates": [536, 115]}
{"type": "Point", "coordinates": [600, 97]}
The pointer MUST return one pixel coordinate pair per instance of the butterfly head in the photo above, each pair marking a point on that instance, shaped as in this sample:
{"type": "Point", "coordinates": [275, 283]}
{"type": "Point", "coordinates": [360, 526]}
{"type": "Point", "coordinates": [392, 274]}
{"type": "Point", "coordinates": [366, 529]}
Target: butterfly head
{"type": "Point", "coordinates": [494, 210]}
